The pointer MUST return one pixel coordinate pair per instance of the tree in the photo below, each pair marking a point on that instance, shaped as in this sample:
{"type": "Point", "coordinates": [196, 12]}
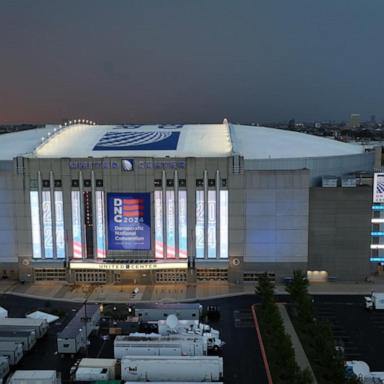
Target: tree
{"type": "Point", "coordinates": [298, 290]}
{"type": "Point", "coordinates": [265, 289]}
{"type": "Point", "coordinates": [298, 287]}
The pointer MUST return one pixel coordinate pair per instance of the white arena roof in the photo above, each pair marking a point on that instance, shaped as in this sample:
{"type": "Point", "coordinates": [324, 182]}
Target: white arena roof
{"type": "Point", "coordinates": [206, 140]}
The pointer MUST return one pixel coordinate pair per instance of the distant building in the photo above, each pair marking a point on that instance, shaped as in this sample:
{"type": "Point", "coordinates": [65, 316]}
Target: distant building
{"type": "Point", "coordinates": [354, 121]}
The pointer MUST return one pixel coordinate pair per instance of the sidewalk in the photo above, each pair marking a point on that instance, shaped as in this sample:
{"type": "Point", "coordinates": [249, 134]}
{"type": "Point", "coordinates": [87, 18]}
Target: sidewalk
{"type": "Point", "coordinates": [300, 355]}
{"type": "Point", "coordinates": [165, 292]}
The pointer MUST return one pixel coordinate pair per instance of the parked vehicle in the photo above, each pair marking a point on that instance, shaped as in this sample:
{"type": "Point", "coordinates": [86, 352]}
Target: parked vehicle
{"type": "Point", "coordinates": [175, 368]}
{"type": "Point", "coordinates": [157, 345]}
{"type": "Point", "coordinates": [375, 301]}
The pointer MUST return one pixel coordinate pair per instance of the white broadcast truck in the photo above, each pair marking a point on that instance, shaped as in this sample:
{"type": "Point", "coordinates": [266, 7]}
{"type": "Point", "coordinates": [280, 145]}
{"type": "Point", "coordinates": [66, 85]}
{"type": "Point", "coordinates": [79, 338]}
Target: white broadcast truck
{"type": "Point", "coordinates": [375, 301]}
{"type": "Point", "coordinates": [172, 325]}
{"type": "Point", "coordinates": [172, 368]}
{"type": "Point", "coordinates": [361, 370]}
{"type": "Point", "coordinates": [143, 344]}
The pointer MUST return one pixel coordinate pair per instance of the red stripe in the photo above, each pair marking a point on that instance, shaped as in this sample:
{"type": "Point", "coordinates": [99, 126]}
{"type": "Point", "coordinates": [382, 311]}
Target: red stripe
{"type": "Point", "coordinates": [133, 214]}
{"type": "Point", "coordinates": [130, 201]}
{"type": "Point", "coordinates": [262, 349]}
{"type": "Point", "coordinates": [133, 207]}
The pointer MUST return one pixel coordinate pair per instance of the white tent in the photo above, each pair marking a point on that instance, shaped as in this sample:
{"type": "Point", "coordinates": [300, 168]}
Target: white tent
{"type": "Point", "coordinates": [3, 313]}
{"type": "Point", "coordinates": [42, 315]}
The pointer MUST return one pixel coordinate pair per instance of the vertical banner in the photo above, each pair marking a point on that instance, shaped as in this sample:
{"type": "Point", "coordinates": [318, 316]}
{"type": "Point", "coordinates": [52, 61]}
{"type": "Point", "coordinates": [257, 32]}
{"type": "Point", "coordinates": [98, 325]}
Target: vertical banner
{"type": "Point", "coordinates": [59, 225]}
{"type": "Point", "coordinates": [100, 225]}
{"type": "Point", "coordinates": [76, 226]}
{"type": "Point", "coordinates": [199, 230]}
{"type": "Point", "coordinates": [183, 225]}
{"type": "Point", "coordinates": [47, 224]}
{"type": "Point", "coordinates": [35, 221]}
{"type": "Point", "coordinates": [129, 221]}
{"type": "Point", "coordinates": [170, 213]}
{"type": "Point", "coordinates": [378, 188]}
{"type": "Point", "coordinates": [224, 224]}
{"type": "Point", "coordinates": [159, 241]}
{"type": "Point", "coordinates": [212, 224]}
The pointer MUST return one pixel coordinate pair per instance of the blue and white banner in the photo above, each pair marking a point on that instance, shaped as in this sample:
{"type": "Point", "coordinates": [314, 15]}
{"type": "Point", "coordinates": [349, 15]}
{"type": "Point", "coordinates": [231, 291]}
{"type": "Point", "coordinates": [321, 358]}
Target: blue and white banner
{"type": "Point", "coordinates": [138, 141]}
{"type": "Point", "coordinates": [100, 225]}
{"type": "Point", "coordinates": [59, 224]}
{"type": "Point", "coordinates": [35, 221]}
{"type": "Point", "coordinates": [47, 225]}
{"type": "Point", "coordinates": [76, 225]}
{"type": "Point", "coordinates": [224, 224]}
{"type": "Point", "coordinates": [129, 221]}
{"type": "Point", "coordinates": [378, 188]}
{"type": "Point", "coordinates": [170, 212]}
{"type": "Point", "coordinates": [212, 224]}
{"type": "Point", "coordinates": [159, 238]}
{"type": "Point", "coordinates": [183, 253]}
{"type": "Point", "coordinates": [199, 229]}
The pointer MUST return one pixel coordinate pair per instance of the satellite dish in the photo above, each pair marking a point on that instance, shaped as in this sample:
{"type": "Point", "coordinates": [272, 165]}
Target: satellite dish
{"type": "Point", "coordinates": [172, 321]}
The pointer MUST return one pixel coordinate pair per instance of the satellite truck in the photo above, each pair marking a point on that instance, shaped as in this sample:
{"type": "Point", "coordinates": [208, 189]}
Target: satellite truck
{"type": "Point", "coordinates": [172, 325]}
{"type": "Point", "coordinates": [361, 370]}
{"type": "Point", "coordinates": [375, 301]}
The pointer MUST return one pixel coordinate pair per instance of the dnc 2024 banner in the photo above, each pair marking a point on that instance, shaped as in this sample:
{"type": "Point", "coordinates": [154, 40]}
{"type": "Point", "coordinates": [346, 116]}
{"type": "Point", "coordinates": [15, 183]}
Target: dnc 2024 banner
{"type": "Point", "coordinates": [129, 221]}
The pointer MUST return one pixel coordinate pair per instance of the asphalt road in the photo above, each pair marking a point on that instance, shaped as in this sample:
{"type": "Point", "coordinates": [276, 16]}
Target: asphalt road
{"type": "Point", "coordinates": [241, 353]}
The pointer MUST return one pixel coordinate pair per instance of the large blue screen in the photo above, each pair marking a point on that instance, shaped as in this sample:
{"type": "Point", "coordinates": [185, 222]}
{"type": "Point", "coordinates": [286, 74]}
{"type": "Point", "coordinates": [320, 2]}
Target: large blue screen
{"type": "Point", "coordinates": [129, 221]}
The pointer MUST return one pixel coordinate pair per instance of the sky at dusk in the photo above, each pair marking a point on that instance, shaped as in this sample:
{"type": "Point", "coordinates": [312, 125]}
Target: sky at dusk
{"type": "Point", "coordinates": [190, 61]}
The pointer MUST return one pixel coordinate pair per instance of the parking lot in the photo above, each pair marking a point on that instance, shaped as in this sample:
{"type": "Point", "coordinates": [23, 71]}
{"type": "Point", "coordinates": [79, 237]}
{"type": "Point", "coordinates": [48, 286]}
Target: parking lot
{"type": "Point", "coordinates": [359, 332]}
{"type": "Point", "coordinates": [242, 359]}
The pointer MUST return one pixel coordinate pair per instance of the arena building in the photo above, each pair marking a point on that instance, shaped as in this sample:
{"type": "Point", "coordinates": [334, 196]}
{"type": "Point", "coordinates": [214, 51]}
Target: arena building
{"type": "Point", "coordinates": [180, 203]}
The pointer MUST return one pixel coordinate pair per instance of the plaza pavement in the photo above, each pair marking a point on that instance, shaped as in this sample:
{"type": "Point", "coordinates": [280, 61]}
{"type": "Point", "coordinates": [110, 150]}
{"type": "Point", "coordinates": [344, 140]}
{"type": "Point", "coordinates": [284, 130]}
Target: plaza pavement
{"type": "Point", "coordinates": [167, 292]}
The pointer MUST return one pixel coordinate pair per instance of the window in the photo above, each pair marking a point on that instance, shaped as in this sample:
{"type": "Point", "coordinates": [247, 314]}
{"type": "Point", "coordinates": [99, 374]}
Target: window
{"type": "Point", "coordinates": [75, 183]}
{"type": "Point", "coordinates": [158, 183]}
{"type": "Point", "coordinates": [170, 182]}
{"type": "Point", "coordinates": [211, 182]}
{"type": "Point", "coordinates": [99, 183]}
{"type": "Point", "coordinates": [224, 183]}
{"type": "Point", "coordinates": [87, 183]}
{"type": "Point", "coordinates": [199, 183]}
{"type": "Point", "coordinates": [46, 184]}
{"type": "Point", "coordinates": [58, 184]}
{"type": "Point", "coordinates": [182, 183]}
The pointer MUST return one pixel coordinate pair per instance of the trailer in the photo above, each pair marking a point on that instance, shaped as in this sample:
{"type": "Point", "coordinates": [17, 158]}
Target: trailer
{"type": "Point", "coordinates": [4, 367]}
{"type": "Point", "coordinates": [91, 374]}
{"type": "Point", "coordinates": [35, 377]}
{"type": "Point", "coordinates": [10, 328]}
{"type": "Point", "coordinates": [107, 364]}
{"type": "Point", "coordinates": [13, 351]}
{"type": "Point", "coordinates": [27, 339]}
{"type": "Point", "coordinates": [75, 335]}
{"type": "Point", "coordinates": [171, 369]}
{"type": "Point", "coordinates": [154, 312]}
{"type": "Point", "coordinates": [157, 345]}
{"type": "Point", "coordinates": [375, 301]}
{"type": "Point", "coordinates": [39, 325]}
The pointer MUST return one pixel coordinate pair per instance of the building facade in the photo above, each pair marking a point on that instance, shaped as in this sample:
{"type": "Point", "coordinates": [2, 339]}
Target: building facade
{"type": "Point", "coordinates": [179, 203]}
